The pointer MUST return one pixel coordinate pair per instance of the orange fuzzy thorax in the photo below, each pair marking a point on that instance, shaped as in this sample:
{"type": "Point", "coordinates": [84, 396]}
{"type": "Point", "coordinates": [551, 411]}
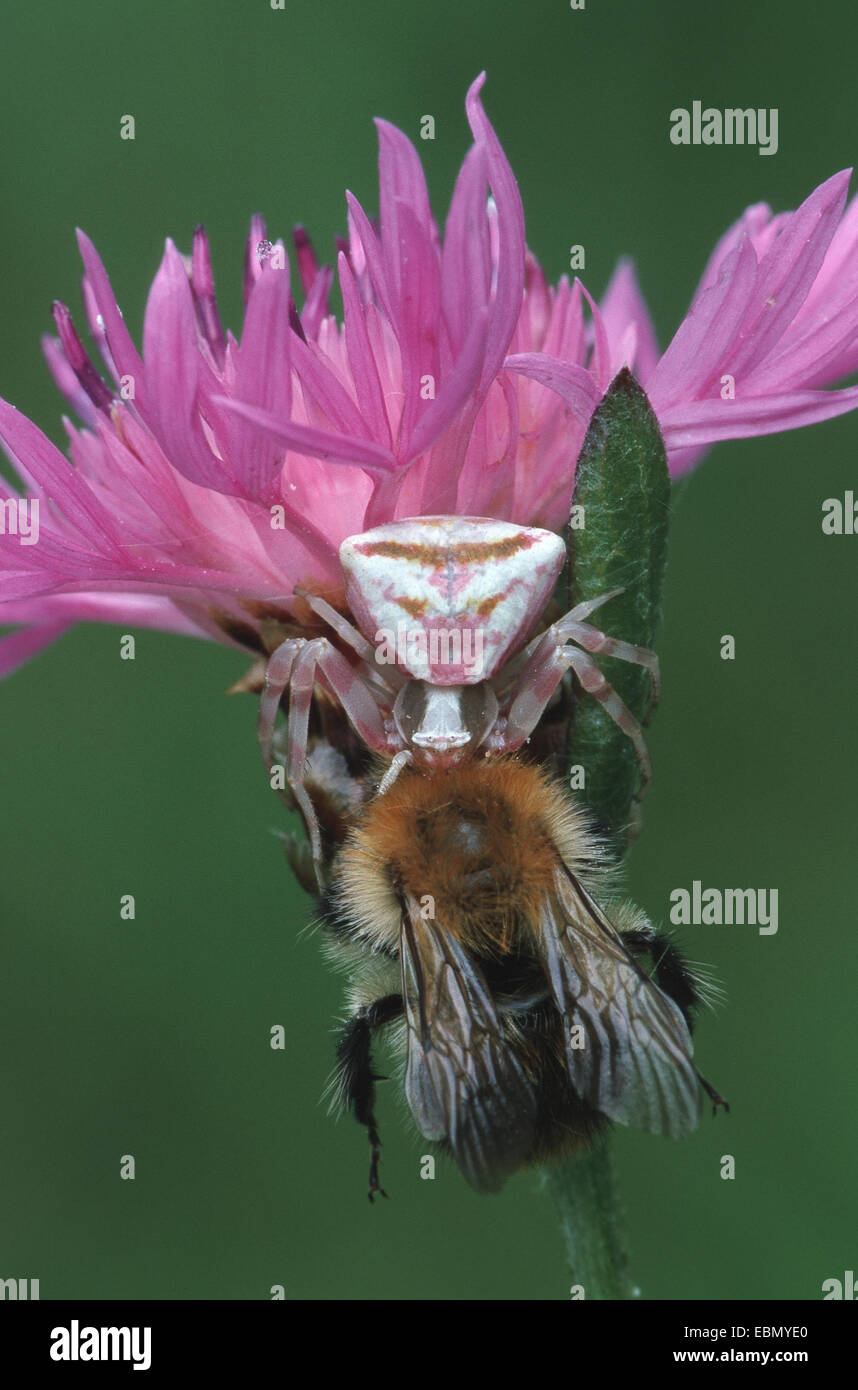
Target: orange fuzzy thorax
{"type": "Point", "coordinates": [478, 846]}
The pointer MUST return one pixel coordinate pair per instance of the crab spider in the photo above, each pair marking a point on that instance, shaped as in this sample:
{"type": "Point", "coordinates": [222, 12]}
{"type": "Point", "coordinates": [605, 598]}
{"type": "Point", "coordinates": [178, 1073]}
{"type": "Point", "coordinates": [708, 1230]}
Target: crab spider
{"type": "Point", "coordinates": [448, 601]}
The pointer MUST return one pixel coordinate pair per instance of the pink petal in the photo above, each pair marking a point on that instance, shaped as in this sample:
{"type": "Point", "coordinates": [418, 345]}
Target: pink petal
{"type": "Point", "coordinates": [263, 377]}
{"type": "Point", "coordinates": [749, 226]}
{"type": "Point", "coordinates": [362, 360]}
{"type": "Point", "coordinates": [511, 250]}
{"type": "Point", "coordinates": [78, 359]}
{"type": "Point", "coordinates": [323, 388]}
{"type": "Point", "coordinates": [402, 186]}
{"type": "Point", "coordinates": [316, 307]}
{"type": "Point", "coordinates": [600, 365]}
{"type": "Point", "coordinates": [622, 305]}
{"type": "Point", "coordinates": [315, 443]}
{"type": "Point", "coordinates": [172, 369]}
{"type": "Point", "coordinates": [202, 284]}
{"type": "Point", "coordinates": [308, 266]}
{"type": "Point", "coordinates": [418, 320]}
{"type": "Point", "coordinates": [252, 263]}
{"type": "Point", "coordinates": [459, 384]}
{"type": "Point", "coordinates": [122, 350]}
{"type": "Point", "coordinates": [67, 381]}
{"type": "Point", "coordinates": [704, 422]}
{"type": "Point", "coordinates": [35, 456]}
{"type": "Point", "coordinates": [704, 341]}
{"type": "Point", "coordinates": [19, 647]}
{"type": "Point", "coordinates": [573, 384]}
{"type": "Point", "coordinates": [788, 270]}
{"type": "Point", "coordinates": [365, 238]}
{"type": "Point", "coordinates": [466, 270]}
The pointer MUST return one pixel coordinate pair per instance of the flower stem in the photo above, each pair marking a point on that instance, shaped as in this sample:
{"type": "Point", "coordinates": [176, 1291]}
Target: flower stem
{"type": "Point", "coordinates": [584, 1189]}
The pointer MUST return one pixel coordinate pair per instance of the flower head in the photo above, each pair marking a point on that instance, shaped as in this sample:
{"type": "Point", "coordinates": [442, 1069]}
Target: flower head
{"type": "Point", "coordinates": [208, 477]}
{"type": "Point", "coordinates": [773, 320]}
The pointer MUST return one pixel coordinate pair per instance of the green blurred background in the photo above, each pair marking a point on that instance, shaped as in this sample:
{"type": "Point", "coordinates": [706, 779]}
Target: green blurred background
{"type": "Point", "coordinates": [152, 1037]}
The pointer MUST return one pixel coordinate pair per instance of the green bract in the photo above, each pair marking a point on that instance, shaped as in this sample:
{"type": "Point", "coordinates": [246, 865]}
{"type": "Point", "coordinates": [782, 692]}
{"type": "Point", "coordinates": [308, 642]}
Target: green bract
{"type": "Point", "coordinates": [623, 487]}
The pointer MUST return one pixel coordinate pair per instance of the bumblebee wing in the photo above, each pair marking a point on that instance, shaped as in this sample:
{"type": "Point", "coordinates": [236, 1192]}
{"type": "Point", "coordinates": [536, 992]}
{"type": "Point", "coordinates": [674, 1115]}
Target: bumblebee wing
{"type": "Point", "coordinates": [463, 1081]}
{"type": "Point", "coordinates": [635, 1063]}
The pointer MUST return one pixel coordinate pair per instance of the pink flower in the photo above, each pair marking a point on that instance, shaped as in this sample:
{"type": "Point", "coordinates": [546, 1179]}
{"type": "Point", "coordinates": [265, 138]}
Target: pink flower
{"type": "Point", "coordinates": [211, 477]}
{"type": "Point", "coordinates": [773, 320]}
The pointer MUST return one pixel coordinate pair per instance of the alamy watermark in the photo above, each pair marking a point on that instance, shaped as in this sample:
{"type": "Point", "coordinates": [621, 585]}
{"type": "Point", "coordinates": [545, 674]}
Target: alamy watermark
{"type": "Point", "coordinates": [19, 1290]}
{"type": "Point", "coordinates": [19, 516]}
{"type": "Point", "coordinates": [708, 907]}
{"type": "Point", "coordinates": [840, 518]}
{"type": "Point", "coordinates": [76, 1343]}
{"type": "Point", "coordinates": [841, 1289]}
{"type": "Point", "coordinates": [734, 125]}
{"type": "Point", "coordinates": [462, 647]}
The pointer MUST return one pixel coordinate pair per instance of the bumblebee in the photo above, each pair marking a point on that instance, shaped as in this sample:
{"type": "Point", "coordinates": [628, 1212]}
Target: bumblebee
{"type": "Point", "coordinates": [465, 907]}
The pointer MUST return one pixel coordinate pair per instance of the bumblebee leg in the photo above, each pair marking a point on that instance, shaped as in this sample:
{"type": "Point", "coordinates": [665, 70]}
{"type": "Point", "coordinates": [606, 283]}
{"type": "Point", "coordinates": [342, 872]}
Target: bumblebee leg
{"type": "Point", "coordinates": [356, 1078]}
{"type": "Point", "coordinates": [713, 1095]}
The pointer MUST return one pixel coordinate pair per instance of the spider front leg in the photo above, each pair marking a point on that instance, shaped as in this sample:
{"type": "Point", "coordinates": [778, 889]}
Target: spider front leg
{"type": "Point", "coordinates": [549, 657]}
{"type": "Point", "coordinates": [572, 628]}
{"type": "Point", "coordinates": [295, 666]}
{"type": "Point", "coordinates": [593, 682]}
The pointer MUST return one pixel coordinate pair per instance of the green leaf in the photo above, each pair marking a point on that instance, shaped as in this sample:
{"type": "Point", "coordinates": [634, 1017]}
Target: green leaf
{"type": "Point", "coordinates": [623, 486]}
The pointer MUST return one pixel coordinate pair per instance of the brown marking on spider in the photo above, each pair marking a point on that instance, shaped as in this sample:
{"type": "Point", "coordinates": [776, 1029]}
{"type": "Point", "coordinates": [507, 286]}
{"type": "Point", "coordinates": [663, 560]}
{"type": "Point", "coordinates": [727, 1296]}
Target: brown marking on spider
{"type": "Point", "coordinates": [414, 607]}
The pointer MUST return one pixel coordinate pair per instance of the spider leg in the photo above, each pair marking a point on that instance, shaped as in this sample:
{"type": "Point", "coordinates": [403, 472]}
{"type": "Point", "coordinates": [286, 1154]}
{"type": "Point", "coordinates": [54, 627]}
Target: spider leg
{"type": "Point", "coordinates": [540, 679]}
{"type": "Point", "coordinates": [400, 761]}
{"type": "Point", "coordinates": [594, 683]}
{"type": "Point", "coordinates": [547, 657]}
{"type": "Point", "coordinates": [589, 605]}
{"type": "Point", "coordinates": [592, 639]}
{"type": "Point", "coordinates": [345, 630]}
{"type": "Point", "coordinates": [296, 665]}
{"type": "Point", "coordinates": [277, 676]}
